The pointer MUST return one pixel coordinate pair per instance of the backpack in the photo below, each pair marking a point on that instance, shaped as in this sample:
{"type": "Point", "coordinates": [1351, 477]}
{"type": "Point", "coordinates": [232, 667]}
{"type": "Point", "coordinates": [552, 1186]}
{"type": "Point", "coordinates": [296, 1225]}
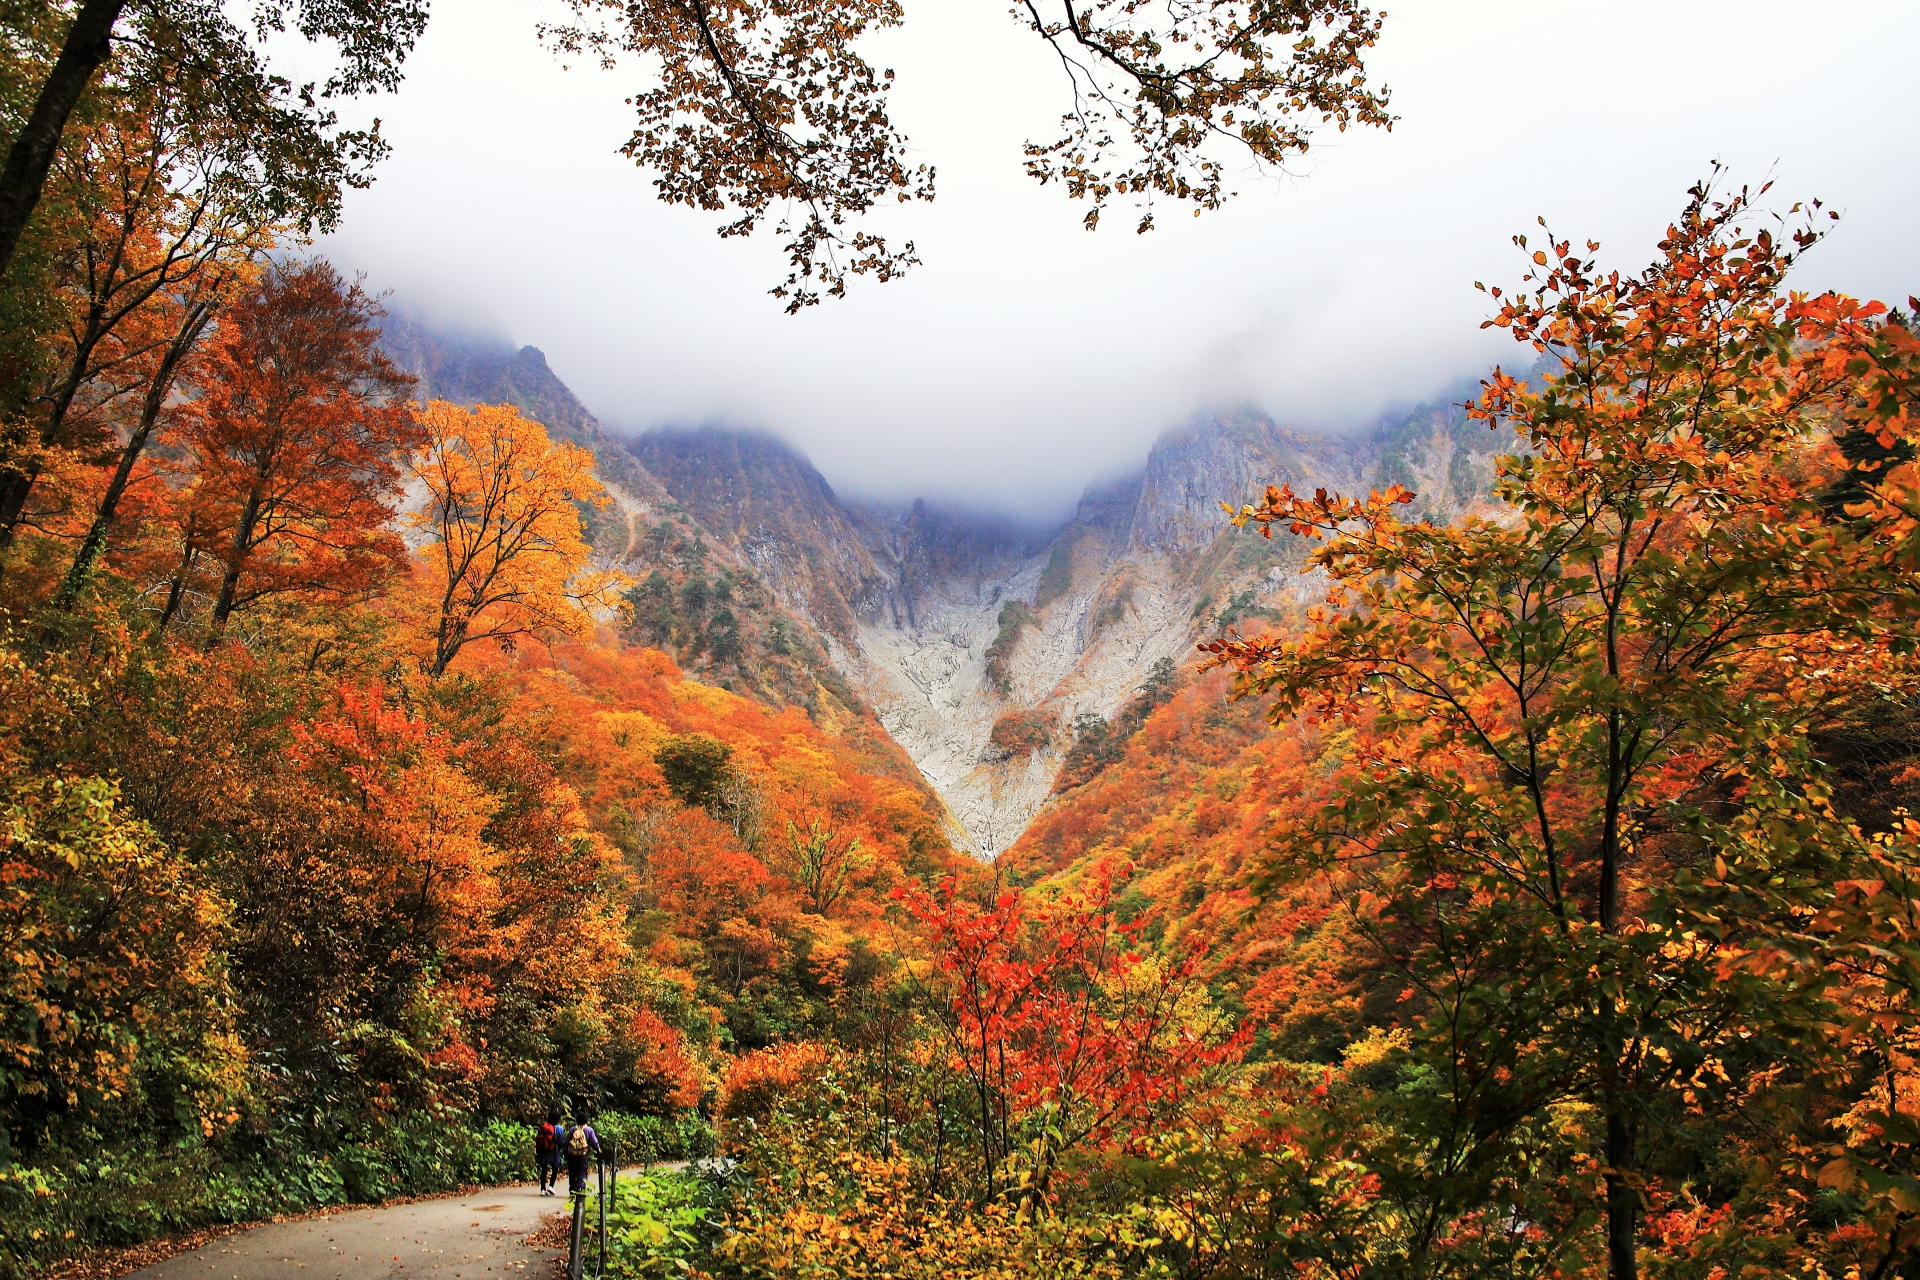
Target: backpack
{"type": "Point", "coordinates": [546, 1141]}
{"type": "Point", "coordinates": [577, 1141]}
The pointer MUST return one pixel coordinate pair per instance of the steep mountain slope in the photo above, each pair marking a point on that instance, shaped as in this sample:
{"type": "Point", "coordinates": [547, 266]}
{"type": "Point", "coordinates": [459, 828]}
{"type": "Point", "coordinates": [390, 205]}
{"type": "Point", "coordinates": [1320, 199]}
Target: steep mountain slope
{"type": "Point", "coordinates": [980, 643]}
{"type": "Point", "coordinates": [696, 599]}
{"type": "Point", "coordinates": [769, 505]}
{"type": "Point", "coordinates": [1189, 807]}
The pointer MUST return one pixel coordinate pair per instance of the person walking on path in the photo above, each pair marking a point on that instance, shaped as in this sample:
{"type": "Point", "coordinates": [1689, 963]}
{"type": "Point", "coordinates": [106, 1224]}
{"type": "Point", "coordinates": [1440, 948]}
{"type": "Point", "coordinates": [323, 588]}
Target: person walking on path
{"type": "Point", "coordinates": [546, 1151]}
{"type": "Point", "coordinates": [579, 1144]}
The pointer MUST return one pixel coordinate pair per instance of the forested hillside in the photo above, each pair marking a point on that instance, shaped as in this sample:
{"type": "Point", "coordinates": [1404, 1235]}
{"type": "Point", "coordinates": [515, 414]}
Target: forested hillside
{"type": "Point", "coordinates": [1478, 846]}
{"type": "Point", "coordinates": [346, 826]}
{"type": "Point", "coordinates": [691, 595]}
{"type": "Point", "coordinates": [978, 640]}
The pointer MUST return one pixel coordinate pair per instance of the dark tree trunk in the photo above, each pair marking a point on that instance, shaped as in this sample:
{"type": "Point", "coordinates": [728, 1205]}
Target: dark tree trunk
{"type": "Point", "coordinates": [1623, 1198]}
{"type": "Point", "coordinates": [178, 591]}
{"type": "Point", "coordinates": [450, 639]}
{"type": "Point", "coordinates": [1623, 1202]}
{"type": "Point", "coordinates": [242, 543]}
{"type": "Point", "coordinates": [157, 392]}
{"type": "Point", "coordinates": [89, 41]}
{"type": "Point", "coordinates": [16, 484]}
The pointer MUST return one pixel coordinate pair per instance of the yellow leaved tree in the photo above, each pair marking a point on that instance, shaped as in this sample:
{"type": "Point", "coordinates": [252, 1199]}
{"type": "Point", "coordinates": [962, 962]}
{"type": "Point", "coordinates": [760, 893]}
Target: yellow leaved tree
{"type": "Point", "coordinates": [505, 554]}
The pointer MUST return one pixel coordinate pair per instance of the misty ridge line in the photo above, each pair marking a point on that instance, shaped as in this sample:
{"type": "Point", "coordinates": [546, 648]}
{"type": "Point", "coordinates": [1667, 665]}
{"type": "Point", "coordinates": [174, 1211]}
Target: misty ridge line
{"type": "Point", "coordinates": [975, 636]}
{"type": "Point", "coordinates": [1041, 522]}
{"type": "Point", "coordinates": [477, 353]}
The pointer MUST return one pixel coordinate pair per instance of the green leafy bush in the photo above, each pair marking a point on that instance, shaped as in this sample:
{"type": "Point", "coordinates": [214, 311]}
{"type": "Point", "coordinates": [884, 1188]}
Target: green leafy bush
{"type": "Point", "coordinates": [660, 1224]}
{"type": "Point", "coordinates": [498, 1151]}
{"type": "Point", "coordinates": [657, 1139]}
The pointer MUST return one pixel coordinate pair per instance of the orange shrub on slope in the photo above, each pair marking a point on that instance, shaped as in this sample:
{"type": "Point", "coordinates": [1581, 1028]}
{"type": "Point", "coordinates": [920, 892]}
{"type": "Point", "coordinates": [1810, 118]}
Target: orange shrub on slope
{"type": "Point", "coordinates": [758, 1082]}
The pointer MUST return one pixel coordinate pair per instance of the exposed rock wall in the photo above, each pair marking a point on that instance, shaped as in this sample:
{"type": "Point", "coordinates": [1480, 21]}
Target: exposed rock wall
{"type": "Point", "coordinates": [771, 505]}
{"type": "Point", "coordinates": [952, 625]}
{"type": "Point", "coordinates": [977, 641]}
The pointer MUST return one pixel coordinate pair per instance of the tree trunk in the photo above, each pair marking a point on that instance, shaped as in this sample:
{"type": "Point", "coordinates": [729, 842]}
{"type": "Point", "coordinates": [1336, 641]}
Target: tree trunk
{"type": "Point", "coordinates": [157, 391]}
{"type": "Point", "coordinates": [16, 484]}
{"type": "Point", "coordinates": [230, 580]}
{"type": "Point", "coordinates": [178, 591]}
{"type": "Point", "coordinates": [1623, 1198]}
{"type": "Point", "coordinates": [89, 40]}
{"type": "Point", "coordinates": [1623, 1201]}
{"type": "Point", "coordinates": [450, 638]}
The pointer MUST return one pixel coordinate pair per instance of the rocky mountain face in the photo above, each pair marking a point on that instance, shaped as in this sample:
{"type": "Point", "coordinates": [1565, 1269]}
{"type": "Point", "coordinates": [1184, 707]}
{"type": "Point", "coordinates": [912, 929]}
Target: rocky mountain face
{"type": "Point", "coordinates": [695, 597]}
{"type": "Point", "coordinates": [768, 504]}
{"type": "Point", "coordinates": [978, 642]}
{"type": "Point", "coordinates": [468, 369]}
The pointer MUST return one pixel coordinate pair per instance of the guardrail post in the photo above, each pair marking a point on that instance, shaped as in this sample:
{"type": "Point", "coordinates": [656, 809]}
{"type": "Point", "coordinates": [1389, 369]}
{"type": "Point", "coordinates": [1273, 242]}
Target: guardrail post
{"type": "Point", "coordinates": [576, 1256]}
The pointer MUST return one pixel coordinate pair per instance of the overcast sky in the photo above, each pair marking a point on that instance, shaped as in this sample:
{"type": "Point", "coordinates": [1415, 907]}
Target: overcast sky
{"type": "Point", "coordinates": [1027, 356]}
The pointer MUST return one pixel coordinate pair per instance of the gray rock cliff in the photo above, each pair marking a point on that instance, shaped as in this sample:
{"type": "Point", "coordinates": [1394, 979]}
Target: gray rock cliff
{"type": "Point", "coordinates": [977, 640]}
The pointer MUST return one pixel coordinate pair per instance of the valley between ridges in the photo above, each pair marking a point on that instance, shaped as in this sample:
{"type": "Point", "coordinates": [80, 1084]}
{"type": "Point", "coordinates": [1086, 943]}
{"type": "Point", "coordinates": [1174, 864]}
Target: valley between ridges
{"type": "Point", "coordinates": [976, 640]}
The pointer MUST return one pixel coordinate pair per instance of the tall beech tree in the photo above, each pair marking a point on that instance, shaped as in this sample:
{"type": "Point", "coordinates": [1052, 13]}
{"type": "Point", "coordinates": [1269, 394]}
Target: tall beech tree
{"type": "Point", "coordinates": [174, 238]}
{"type": "Point", "coordinates": [160, 229]}
{"type": "Point", "coordinates": [1586, 824]}
{"type": "Point", "coordinates": [298, 434]}
{"type": "Point", "coordinates": [506, 555]}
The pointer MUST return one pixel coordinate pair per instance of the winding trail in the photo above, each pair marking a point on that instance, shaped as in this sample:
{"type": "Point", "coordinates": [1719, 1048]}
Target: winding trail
{"type": "Point", "coordinates": [458, 1238]}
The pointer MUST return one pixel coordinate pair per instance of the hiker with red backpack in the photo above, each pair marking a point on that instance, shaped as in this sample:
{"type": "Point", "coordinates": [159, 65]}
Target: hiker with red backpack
{"type": "Point", "coordinates": [546, 1151]}
{"type": "Point", "coordinates": [578, 1144]}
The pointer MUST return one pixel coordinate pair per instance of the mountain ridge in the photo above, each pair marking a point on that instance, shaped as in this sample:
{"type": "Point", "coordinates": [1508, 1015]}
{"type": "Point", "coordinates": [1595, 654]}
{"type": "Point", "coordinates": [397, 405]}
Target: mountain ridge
{"type": "Point", "coordinates": [981, 642]}
{"type": "Point", "coordinates": [978, 641]}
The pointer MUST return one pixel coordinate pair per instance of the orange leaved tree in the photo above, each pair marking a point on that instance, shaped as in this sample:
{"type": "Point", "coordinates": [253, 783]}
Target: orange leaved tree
{"type": "Point", "coordinates": [1587, 825]}
{"type": "Point", "coordinates": [297, 434]}
{"type": "Point", "coordinates": [506, 555]}
{"type": "Point", "coordinates": [173, 237]}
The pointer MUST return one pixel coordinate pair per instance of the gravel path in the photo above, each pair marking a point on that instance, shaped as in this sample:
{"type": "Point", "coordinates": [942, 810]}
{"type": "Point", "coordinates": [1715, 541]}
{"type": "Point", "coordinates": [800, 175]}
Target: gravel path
{"type": "Point", "coordinates": [459, 1238]}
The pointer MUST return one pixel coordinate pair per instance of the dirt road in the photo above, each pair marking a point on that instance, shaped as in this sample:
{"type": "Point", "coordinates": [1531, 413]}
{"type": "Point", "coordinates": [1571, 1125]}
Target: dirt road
{"type": "Point", "coordinates": [462, 1238]}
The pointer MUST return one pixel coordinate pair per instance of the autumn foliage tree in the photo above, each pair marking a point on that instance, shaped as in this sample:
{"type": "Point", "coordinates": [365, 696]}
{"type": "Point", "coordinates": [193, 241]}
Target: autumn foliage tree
{"type": "Point", "coordinates": [1586, 824]}
{"type": "Point", "coordinates": [775, 111]}
{"type": "Point", "coordinates": [823, 860]}
{"type": "Point", "coordinates": [1066, 1033]}
{"type": "Point", "coordinates": [297, 433]}
{"type": "Point", "coordinates": [505, 557]}
{"type": "Point", "coordinates": [178, 235]}
{"type": "Point", "coordinates": [112, 964]}
{"type": "Point", "coordinates": [772, 109]}
{"type": "Point", "coordinates": [156, 240]}
{"type": "Point", "coordinates": [302, 156]}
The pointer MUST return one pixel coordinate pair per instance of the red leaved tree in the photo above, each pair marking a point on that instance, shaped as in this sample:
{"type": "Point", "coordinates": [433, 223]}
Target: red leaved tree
{"type": "Point", "coordinates": [1068, 1036]}
{"type": "Point", "coordinates": [297, 434]}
